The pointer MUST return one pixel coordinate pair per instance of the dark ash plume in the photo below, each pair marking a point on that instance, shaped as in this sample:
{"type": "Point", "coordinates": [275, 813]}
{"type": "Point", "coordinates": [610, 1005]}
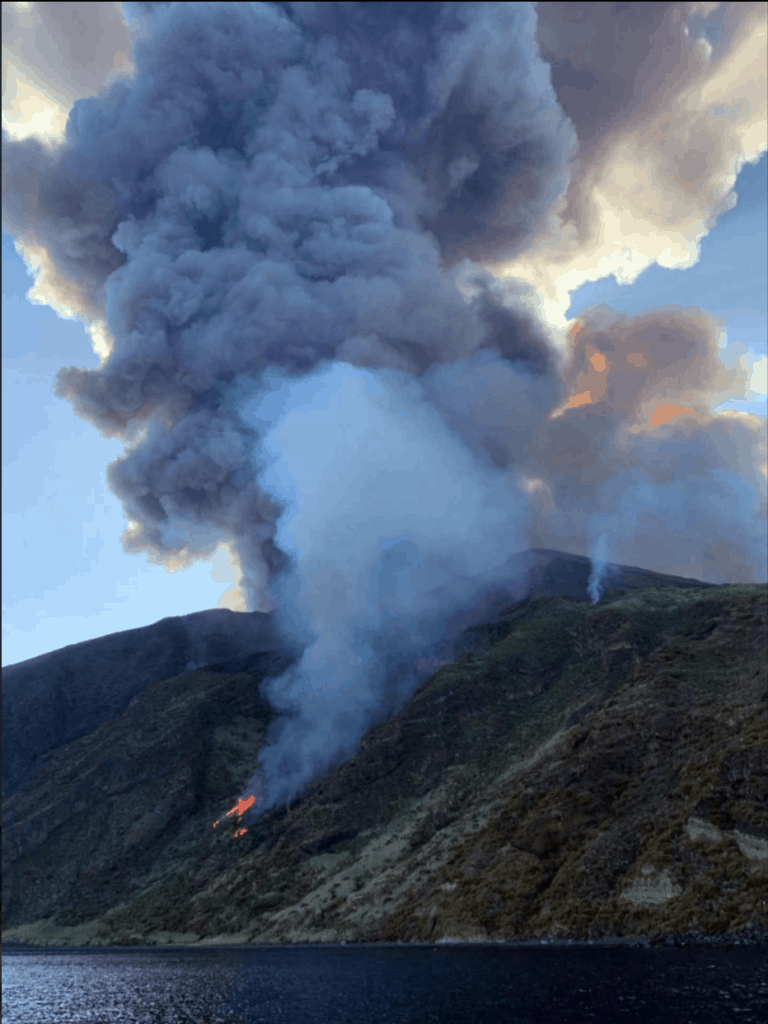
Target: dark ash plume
{"type": "Point", "coordinates": [283, 222]}
{"type": "Point", "coordinates": [257, 195]}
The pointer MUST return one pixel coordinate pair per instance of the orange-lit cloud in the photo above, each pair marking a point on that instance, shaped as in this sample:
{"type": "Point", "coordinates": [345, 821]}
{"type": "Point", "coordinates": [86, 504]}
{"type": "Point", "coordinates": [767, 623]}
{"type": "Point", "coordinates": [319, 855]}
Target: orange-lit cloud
{"type": "Point", "coordinates": [585, 398]}
{"type": "Point", "coordinates": [592, 379]}
{"type": "Point", "coordinates": [665, 413]}
{"type": "Point", "coordinates": [664, 357]}
{"type": "Point", "coordinates": [647, 456]}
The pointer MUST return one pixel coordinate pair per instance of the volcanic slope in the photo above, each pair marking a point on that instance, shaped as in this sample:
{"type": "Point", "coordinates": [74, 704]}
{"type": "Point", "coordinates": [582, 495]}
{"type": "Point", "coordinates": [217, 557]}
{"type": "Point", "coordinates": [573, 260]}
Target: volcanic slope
{"type": "Point", "coordinates": [57, 697]}
{"type": "Point", "coordinates": [578, 771]}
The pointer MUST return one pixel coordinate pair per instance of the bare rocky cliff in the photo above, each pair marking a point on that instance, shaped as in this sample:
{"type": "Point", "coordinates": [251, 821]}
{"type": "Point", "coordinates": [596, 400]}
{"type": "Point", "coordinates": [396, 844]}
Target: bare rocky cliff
{"type": "Point", "coordinates": [567, 770]}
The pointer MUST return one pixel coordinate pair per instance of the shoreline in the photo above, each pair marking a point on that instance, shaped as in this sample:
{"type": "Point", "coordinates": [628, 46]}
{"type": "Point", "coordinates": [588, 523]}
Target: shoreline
{"type": "Point", "coordinates": [634, 942]}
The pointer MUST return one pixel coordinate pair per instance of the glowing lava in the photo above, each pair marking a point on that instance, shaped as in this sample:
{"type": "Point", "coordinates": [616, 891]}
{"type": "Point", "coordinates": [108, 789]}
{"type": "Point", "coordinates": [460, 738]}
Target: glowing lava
{"type": "Point", "coordinates": [238, 811]}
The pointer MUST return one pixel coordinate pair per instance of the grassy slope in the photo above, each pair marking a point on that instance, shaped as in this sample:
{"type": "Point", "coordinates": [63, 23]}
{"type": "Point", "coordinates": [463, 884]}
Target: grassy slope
{"type": "Point", "coordinates": [583, 771]}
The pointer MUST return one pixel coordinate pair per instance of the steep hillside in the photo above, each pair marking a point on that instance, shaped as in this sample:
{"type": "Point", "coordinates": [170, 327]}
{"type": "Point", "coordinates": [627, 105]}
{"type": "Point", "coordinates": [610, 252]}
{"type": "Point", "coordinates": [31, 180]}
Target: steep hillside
{"type": "Point", "coordinates": [580, 770]}
{"type": "Point", "coordinates": [56, 698]}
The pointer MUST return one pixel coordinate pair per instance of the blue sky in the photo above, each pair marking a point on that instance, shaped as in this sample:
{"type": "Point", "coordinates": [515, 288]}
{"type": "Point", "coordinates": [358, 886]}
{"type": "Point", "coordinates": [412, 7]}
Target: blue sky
{"type": "Point", "coordinates": [65, 575]}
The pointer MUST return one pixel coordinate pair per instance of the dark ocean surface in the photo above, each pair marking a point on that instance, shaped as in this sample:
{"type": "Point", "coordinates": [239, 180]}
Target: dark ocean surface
{"type": "Point", "coordinates": [444, 984]}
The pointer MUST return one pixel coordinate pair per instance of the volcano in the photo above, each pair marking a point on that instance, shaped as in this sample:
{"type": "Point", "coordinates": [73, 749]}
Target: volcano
{"type": "Point", "coordinates": [558, 762]}
{"type": "Point", "coordinates": [56, 698]}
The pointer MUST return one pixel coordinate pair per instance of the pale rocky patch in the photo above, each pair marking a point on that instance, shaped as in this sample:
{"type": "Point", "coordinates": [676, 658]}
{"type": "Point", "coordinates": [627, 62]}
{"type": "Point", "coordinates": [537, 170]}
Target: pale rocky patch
{"type": "Point", "coordinates": [653, 889]}
{"type": "Point", "coordinates": [753, 847]}
{"type": "Point", "coordinates": [698, 829]}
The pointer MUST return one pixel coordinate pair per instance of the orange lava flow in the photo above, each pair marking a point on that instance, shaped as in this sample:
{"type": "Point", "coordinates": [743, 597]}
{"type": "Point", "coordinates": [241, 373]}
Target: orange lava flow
{"type": "Point", "coordinates": [238, 811]}
{"type": "Point", "coordinates": [241, 806]}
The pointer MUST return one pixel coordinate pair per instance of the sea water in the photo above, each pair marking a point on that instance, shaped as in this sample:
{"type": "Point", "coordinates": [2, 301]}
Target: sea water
{"type": "Point", "coordinates": [443, 984]}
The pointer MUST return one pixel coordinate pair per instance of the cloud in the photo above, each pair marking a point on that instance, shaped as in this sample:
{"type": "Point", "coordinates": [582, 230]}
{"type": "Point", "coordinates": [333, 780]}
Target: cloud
{"type": "Point", "coordinates": [759, 376]}
{"type": "Point", "coordinates": [54, 54]}
{"type": "Point", "coordinates": [636, 467]}
{"type": "Point", "coordinates": [665, 118]}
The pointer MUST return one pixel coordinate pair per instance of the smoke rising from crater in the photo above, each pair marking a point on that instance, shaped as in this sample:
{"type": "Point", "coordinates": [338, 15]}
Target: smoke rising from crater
{"type": "Point", "coordinates": [279, 230]}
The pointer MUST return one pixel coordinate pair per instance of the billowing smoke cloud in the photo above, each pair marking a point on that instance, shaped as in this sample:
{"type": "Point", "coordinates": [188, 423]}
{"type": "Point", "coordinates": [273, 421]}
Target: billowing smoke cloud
{"type": "Point", "coordinates": [280, 231]}
{"type": "Point", "coordinates": [230, 209]}
{"type": "Point", "coordinates": [391, 522]}
{"type": "Point", "coordinates": [637, 468]}
{"type": "Point", "coordinates": [54, 54]}
{"type": "Point", "coordinates": [668, 101]}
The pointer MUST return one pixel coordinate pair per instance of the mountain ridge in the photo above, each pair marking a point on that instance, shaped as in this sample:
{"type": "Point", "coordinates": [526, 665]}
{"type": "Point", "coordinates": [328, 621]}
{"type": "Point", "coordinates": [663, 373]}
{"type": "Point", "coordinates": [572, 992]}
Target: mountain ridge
{"type": "Point", "coordinates": [58, 696]}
